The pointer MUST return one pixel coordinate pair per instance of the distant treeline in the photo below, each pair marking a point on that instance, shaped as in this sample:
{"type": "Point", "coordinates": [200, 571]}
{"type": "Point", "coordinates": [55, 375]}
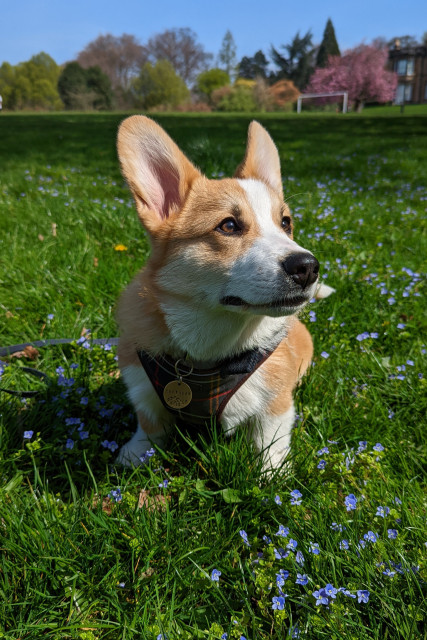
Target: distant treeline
{"type": "Point", "coordinates": [172, 71]}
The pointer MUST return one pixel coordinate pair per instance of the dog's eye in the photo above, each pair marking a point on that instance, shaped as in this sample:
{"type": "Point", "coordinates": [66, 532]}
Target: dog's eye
{"type": "Point", "coordinates": [228, 226]}
{"type": "Point", "coordinates": [286, 224]}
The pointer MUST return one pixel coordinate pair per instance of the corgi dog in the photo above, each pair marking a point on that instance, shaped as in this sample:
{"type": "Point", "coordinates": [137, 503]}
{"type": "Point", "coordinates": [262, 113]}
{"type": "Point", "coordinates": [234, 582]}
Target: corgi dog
{"type": "Point", "coordinates": [209, 327]}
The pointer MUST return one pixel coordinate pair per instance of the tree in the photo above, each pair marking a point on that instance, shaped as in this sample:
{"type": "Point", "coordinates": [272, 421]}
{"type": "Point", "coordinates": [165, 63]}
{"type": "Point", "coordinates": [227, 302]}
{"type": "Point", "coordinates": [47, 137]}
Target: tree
{"type": "Point", "coordinates": [360, 71]}
{"type": "Point", "coordinates": [403, 41]}
{"type": "Point", "coordinates": [283, 93]}
{"type": "Point", "coordinates": [119, 57]}
{"type": "Point", "coordinates": [227, 53]}
{"type": "Point", "coordinates": [208, 81]}
{"type": "Point", "coordinates": [238, 98]}
{"type": "Point", "coordinates": [31, 84]}
{"type": "Point", "coordinates": [328, 46]}
{"type": "Point", "coordinates": [159, 85]}
{"type": "Point", "coordinates": [84, 88]}
{"type": "Point", "coordinates": [297, 65]}
{"type": "Point", "coordinates": [255, 67]}
{"type": "Point", "coordinates": [181, 49]}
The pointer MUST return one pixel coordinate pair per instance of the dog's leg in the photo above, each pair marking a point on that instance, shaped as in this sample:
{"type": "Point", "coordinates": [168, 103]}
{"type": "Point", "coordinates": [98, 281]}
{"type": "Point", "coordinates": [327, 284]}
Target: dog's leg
{"type": "Point", "coordinates": [153, 419]}
{"type": "Point", "coordinates": [132, 452]}
{"type": "Point", "coordinates": [272, 436]}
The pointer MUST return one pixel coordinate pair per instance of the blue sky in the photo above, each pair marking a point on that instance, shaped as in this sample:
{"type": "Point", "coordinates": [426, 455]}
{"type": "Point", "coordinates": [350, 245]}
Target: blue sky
{"type": "Point", "coordinates": [62, 29]}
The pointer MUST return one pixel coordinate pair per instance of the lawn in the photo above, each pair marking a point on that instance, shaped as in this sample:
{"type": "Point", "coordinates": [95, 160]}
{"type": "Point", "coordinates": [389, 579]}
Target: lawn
{"type": "Point", "coordinates": [197, 543]}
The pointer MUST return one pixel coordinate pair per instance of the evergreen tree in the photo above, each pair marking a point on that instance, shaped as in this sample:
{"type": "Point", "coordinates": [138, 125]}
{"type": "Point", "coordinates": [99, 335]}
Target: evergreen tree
{"type": "Point", "coordinates": [328, 46]}
{"type": "Point", "coordinates": [251, 68]}
{"type": "Point", "coordinates": [227, 53]}
{"type": "Point", "coordinates": [298, 64]}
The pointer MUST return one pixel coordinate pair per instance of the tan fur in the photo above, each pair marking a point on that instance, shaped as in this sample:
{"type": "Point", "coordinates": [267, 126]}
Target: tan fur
{"type": "Point", "coordinates": [286, 365]}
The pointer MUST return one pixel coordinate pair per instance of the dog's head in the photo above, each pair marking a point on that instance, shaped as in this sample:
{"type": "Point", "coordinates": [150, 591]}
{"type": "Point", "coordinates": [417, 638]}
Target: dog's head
{"type": "Point", "coordinates": [226, 244]}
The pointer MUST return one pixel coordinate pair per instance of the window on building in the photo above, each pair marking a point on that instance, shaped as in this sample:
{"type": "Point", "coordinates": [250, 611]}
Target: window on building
{"type": "Point", "coordinates": [408, 93]}
{"type": "Point", "coordinates": [405, 67]}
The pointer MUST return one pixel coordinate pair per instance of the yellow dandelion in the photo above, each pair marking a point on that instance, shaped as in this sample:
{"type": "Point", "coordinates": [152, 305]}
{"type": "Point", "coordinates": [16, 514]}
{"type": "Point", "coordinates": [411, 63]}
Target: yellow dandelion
{"type": "Point", "coordinates": [120, 247]}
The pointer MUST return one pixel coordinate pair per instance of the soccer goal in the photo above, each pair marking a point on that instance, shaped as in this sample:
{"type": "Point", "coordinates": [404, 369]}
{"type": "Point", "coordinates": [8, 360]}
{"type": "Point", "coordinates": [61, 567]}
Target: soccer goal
{"type": "Point", "coordinates": [324, 95]}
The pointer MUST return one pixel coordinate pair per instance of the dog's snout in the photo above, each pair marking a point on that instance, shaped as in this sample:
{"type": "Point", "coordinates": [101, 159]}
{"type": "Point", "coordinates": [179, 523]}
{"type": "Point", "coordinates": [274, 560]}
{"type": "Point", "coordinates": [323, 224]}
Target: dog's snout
{"type": "Point", "coordinates": [303, 268]}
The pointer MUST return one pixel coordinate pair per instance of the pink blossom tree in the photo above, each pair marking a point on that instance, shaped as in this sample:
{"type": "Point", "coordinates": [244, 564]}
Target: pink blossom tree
{"type": "Point", "coordinates": [360, 71]}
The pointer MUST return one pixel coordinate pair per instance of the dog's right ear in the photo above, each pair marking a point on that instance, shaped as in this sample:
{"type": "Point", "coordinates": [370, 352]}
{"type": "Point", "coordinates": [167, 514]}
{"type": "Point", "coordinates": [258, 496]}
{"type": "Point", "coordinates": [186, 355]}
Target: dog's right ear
{"type": "Point", "coordinates": [157, 172]}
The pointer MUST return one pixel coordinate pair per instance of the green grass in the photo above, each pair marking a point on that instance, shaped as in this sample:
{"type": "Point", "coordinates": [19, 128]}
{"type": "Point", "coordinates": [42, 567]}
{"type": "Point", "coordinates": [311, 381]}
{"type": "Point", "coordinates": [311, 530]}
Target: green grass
{"type": "Point", "coordinates": [74, 563]}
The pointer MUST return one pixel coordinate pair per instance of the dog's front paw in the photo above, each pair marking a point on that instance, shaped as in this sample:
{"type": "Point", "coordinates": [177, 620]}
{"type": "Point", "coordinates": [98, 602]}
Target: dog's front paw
{"type": "Point", "coordinates": [132, 453]}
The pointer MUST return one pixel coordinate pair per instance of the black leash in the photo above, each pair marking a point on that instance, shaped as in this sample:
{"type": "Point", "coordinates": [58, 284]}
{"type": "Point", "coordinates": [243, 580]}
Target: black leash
{"type": "Point", "coordinates": [8, 351]}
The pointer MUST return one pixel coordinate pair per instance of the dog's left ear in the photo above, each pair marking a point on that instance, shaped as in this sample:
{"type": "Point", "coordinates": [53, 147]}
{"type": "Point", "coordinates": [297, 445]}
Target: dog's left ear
{"type": "Point", "coordinates": [262, 159]}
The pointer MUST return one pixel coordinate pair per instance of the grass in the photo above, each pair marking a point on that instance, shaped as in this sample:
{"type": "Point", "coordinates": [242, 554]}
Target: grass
{"type": "Point", "coordinates": [91, 550]}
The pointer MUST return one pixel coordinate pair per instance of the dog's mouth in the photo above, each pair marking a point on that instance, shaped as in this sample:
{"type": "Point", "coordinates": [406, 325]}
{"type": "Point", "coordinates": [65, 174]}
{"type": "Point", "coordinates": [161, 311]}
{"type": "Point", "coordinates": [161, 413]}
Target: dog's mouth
{"type": "Point", "coordinates": [288, 302]}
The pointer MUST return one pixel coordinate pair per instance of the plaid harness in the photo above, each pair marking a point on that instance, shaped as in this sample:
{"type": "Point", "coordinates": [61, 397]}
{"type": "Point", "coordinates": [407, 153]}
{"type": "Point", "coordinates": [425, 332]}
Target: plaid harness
{"type": "Point", "coordinates": [211, 388]}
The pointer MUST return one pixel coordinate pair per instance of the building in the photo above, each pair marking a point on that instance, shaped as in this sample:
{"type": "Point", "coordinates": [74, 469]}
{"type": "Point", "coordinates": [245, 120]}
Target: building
{"type": "Point", "coordinates": [410, 64]}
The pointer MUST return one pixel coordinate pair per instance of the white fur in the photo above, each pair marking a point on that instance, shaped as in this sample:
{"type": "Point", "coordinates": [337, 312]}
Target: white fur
{"type": "Point", "coordinates": [257, 276]}
{"type": "Point", "coordinates": [272, 435]}
{"type": "Point", "coordinates": [250, 400]}
{"type": "Point", "coordinates": [146, 401]}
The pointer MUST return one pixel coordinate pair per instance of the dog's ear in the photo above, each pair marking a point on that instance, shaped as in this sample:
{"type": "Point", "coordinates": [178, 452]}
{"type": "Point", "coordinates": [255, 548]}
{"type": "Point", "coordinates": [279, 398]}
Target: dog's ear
{"type": "Point", "coordinates": [262, 159]}
{"type": "Point", "coordinates": [157, 172]}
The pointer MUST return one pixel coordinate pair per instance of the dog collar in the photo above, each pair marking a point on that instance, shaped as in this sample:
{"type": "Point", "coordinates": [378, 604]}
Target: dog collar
{"type": "Point", "coordinates": [198, 395]}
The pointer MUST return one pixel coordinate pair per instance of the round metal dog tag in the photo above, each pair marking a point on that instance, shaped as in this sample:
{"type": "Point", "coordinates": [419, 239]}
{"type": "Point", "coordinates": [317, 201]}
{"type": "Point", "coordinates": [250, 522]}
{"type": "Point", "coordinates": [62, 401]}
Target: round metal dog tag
{"type": "Point", "coordinates": [177, 394]}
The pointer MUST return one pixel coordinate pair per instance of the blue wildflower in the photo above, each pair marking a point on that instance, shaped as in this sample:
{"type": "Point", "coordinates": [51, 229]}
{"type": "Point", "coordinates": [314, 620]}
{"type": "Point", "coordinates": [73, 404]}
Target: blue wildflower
{"type": "Point", "coordinates": [163, 484]}
{"type": "Point", "coordinates": [322, 464]}
{"type": "Point", "coordinates": [389, 573]}
{"type": "Point", "coordinates": [314, 548]}
{"type": "Point", "coordinates": [299, 558]}
{"type": "Point", "coordinates": [346, 592]}
{"type": "Point", "coordinates": [330, 591]}
{"type": "Point", "coordinates": [280, 553]}
{"type": "Point", "coordinates": [337, 527]}
{"type": "Point", "coordinates": [301, 579]}
{"type": "Point", "coordinates": [281, 577]}
{"type": "Point", "coordinates": [370, 536]}
{"type": "Point", "coordinates": [350, 502]}
{"type": "Point", "coordinates": [277, 500]}
{"type": "Point", "coordinates": [28, 435]}
{"type": "Point", "coordinates": [325, 355]}
{"type": "Point", "coordinates": [69, 444]}
{"type": "Point", "coordinates": [378, 447]}
{"type": "Point", "coordinates": [266, 539]}
{"type": "Point", "coordinates": [224, 636]}
{"type": "Point", "coordinates": [321, 597]}
{"type": "Point", "coordinates": [362, 446]}
{"type": "Point", "coordinates": [392, 533]}
{"type": "Point", "coordinates": [84, 401]}
{"type": "Point", "coordinates": [244, 537]}
{"type": "Point", "coordinates": [295, 497]}
{"type": "Point", "coordinates": [115, 494]}
{"type": "Point", "coordinates": [283, 531]}
{"type": "Point", "coordinates": [323, 451]}
{"type": "Point", "coordinates": [215, 575]}
{"type": "Point", "coordinates": [363, 595]}
{"type": "Point", "coordinates": [382, 511]}
{"type": "Point", "coordinates": [344, 544]}
{"type": "Point", "coordinates": [147, 455]}
{"type": "Point", "coordinates": [292, 544]}
{"type": "Point", "coordinates": [279, 602]}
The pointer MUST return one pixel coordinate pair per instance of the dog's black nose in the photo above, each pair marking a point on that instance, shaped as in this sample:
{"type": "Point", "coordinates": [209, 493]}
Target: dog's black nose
{"type": "Point", "coordinates": [303, 268]}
